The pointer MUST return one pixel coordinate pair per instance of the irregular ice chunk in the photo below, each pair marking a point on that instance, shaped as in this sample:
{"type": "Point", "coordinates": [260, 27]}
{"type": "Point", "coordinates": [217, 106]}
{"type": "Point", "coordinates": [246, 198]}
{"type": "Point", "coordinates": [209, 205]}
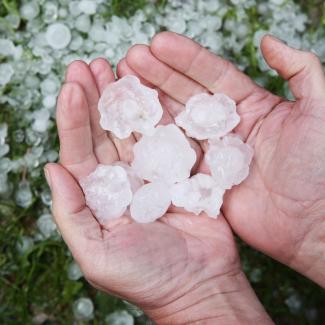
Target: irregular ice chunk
{"type": "Point", "coordinates": [107, 191]}
{"type": "Point", "coordinates": [198, 193]}
{"type": "Point", "coordinates": [208, 116]}
{"type": "Point", "coordinates": [150, 202]}
{"type": "Point", "coordinates": [165, 156]}
{"type": "Point", "coordinates": [135, 181]}
{"type": "Point", "coordinates": [126, 106]}
{"type": "Point", "coordinates": [229, 160]}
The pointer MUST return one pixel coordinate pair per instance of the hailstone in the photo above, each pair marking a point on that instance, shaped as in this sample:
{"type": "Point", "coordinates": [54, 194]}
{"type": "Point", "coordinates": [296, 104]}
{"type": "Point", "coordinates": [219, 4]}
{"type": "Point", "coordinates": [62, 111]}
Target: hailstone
{"type": "Point", "coordinates": [107, 191]}
{"type": "Point", "coordinates": [135, 181]}
{"type": "Point", "coordinates": [164, 156]}
{"type": "Point", "coordinates": [126, 106]}
{"type": "Point", "coordinates": [198, 193]}
{"type": "Point", "coordinates": [229, 160]}
{"type": "Point", "coordinates": [208, 116]}
{"type": "Point", "coordinates": [150, 202]}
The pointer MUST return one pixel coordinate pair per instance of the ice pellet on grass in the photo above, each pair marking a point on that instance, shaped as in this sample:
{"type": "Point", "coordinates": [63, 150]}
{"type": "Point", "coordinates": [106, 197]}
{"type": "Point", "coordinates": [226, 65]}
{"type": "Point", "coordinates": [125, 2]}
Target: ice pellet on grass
{"type": "Point", "coordinates": [229, 160]}
{"type": "Point", "coordinates": [150, 202]}
{"type": "Point", "coordinates": [58, 36]}
{"type": "Point", "coordinates": [197, 194]}
{"type": "Point", "coordinates": [208, 116]}
{"type": "Point", "coordinates": [108, 192]}
{"type": "Point", "coordinates": [165, 156]}
{"type": "Point", "coordinates": [126, 106]}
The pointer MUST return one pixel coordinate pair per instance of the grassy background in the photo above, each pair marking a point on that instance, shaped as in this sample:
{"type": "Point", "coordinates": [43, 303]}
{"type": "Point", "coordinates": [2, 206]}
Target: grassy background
{"type": "Point", "coordinates": [36, 283]}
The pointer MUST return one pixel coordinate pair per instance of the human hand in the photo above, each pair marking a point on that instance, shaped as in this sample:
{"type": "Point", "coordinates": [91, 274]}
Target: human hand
{"type": "Point", "coordinates": [280, 208]}
{"type": "Point", "coordinates": [179, 269]}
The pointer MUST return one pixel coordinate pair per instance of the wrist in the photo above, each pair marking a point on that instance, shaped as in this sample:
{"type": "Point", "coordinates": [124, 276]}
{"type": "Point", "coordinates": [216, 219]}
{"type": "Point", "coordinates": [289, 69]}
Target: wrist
{"type": "Point", "coordinates": [224, 300]}
{"type": "Point", "coordinates": [309, 257]}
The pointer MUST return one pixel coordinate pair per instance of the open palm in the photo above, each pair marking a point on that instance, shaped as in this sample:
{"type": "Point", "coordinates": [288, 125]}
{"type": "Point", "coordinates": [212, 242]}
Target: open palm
{"type": "Point", "coordinates": [280, 207]}
{"type": "Point", "coordinates": [153, 265]}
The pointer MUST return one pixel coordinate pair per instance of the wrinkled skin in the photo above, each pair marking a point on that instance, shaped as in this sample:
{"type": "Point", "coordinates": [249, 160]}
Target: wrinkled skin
{"type": "Point", "coordinates": [280, 208]}
{"type": "Point", "coordinates": [176, 268]}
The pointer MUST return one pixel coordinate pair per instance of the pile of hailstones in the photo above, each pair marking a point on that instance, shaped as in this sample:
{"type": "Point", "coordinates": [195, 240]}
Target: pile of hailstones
{"type": "Point", "coordinates": [160, 173]}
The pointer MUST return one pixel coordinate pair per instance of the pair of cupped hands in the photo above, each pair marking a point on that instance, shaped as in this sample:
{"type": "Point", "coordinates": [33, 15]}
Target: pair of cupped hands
{"type": "Point", "coordinates": [183, 268]}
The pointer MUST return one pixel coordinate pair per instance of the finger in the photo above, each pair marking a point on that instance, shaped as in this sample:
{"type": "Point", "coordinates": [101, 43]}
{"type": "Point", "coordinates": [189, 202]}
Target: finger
{"type": "Point", "coordinates": [103, 76]}
{"type": "Point", "coordinates": [76, 223]}
{"type": "Point", "coordinates": [76, 148]}
{"type": "Point", "coordinates": [199, 64]}
{"type": "Point", "coordinates": [173, 83]}
{"type": "Point", "coordinates": [303, 70]}
{"type": "Point", "coordinates": [79, 72]}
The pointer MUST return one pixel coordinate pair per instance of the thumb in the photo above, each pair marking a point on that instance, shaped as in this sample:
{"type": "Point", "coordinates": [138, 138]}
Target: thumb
{"type": "Point", "coordinates": [75, 221]}
{"type": "Point", "coordinates": [302, 69]}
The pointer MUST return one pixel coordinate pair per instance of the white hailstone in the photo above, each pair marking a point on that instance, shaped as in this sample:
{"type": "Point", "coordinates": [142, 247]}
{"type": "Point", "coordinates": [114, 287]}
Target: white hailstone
{"type": "Point", "coordinates": [58, 36]}
{"type": "Point", "coordinates": [88, 7]}
{"type": "Point", "coordinates": [50, 12]}
{"type": "Point", "coordinates": [30, 10]}
{"type": "Point", "coordinates": [49, 101]}
{"type": "Point", "coordinates": [229, 160]}
{"type": "Point", "coordinates": [97, 33]}
{"type": "Point", "coordinates": [7, 47]}
{"type": "Point", "coordinates": [126, 106]}
{"type": "Point", "coordinates": [24, 196]}
{"type": "Point", "coordinates": [119, 318]}
{"type": "Point", "coordinates": [198, 193]}
{"type": "Point", "coordinates": [83, 309]}
{"type": "Point", "coordinates": [83, 23]}
{"type": "Point", "coordinates": [3, 133]}
{"type": "Point", "coordinates": [135, 181]}
{"type": "Point", "coordinates": [208, 116]}
{"type": "Point", "coordinates": [4, 149]}
{"type": "Point", "coordinates": [49, 86]}
{"type": "Point", "coordinates": [46, 225]}
{"type": "Point", "coordinates": [41, 120]}
{"type": "Point", "coordinates": [74, 272]}
{"type": "Point", "coordinates": [150, 202]}
{"type": "Point", "coordinates": [107, 191]}
{"type": "Point", "coordinates": [24, 244]}
{"type": "Point", "coordinates": [165, 156]}
{"type": "Point", "coordinates": [6, 73]}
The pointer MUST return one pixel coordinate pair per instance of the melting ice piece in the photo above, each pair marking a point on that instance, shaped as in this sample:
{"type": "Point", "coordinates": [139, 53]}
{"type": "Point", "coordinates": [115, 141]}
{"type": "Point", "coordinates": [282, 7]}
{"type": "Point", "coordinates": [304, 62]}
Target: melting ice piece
{"type": "Point", "coordinates": [135, 181]}
{"type": "Point", "coordinates": [150, 202]}
{"type": "Point", "coordinates": [126, 106]}
{"type": "Point", "coordinates": [229, 160]}
{"type": "Point", "coordinates": [208, 116]}
{"type": "Point", "coordinates": [198, 193]}
{"type": "Point", "coordinates": [107, 191]}
{"type": "Point", "coordinates": [165, 156]}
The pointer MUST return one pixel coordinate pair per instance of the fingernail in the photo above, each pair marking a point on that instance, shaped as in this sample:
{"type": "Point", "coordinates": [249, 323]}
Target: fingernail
{"type": "Point", "coordinates": [47, 176]}
{"type": "Point", "coordinates": [275, 38]}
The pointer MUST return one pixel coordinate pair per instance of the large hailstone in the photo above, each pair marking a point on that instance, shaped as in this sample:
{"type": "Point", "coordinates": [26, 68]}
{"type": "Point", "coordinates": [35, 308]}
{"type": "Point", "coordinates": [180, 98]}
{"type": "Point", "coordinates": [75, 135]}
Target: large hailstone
{"type": "Point", "coordinates": [208, 116]}
{"type": "Point", "coordinates": [165, 156]}
{"type": "Point", "coordinates": [150, 202]}
{"type": "Point", "coordinates": [126, 106]}
{"type": "Point", "coordinates": [229, 160]}
{"type": "Point", "coordinates": [108, 192]}
{"type": "Point", "coordinates": [198, 193]}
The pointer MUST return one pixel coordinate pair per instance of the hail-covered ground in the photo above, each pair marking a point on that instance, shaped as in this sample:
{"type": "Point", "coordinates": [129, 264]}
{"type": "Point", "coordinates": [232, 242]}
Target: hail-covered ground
{"type": "Point", "coordinates": [37, 40]}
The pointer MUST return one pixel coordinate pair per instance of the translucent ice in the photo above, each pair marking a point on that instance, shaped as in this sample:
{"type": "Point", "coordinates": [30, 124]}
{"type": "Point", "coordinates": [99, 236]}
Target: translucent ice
{"type": "Point", "coordinates": [135, 181]}
{"type": "Point", "coordinates": [128, 106]}
{"type": "Point", "coordinates": [198, 193]}
{"type": "Point", "coordinates": [107, 191]}
{"type": "Point", "coordinates": [165, 156]}
{"type": "Point", "coordinates": [229, 160]}
{"type": "Point", "coordinates": [150, 202]}
{"type": "Point", "coordinates": [83, 309]}
{"type": "Point", "coordinates": [208, 116]}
